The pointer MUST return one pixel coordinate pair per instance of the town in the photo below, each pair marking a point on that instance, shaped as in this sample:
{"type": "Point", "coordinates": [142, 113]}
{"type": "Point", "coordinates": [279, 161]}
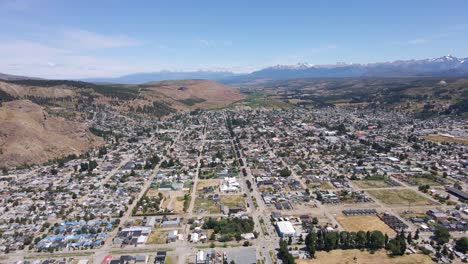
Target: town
{"type": "Point", "coordinates": [243, 185]}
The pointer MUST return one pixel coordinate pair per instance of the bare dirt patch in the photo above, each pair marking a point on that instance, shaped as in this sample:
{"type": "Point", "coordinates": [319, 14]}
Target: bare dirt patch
{"type": "Point", "coordinates": [364, 223]}
{"type": "Point", "coordinates": [354, 256]}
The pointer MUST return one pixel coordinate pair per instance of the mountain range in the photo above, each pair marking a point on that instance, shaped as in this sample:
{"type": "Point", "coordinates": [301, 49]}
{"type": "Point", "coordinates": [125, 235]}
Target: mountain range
{"type": "Point", "coordinates": [446, 66]}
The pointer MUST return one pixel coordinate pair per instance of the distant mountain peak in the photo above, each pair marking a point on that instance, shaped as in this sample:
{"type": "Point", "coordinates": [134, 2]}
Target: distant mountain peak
{"type": "Point", "coordinates": [443, 66]}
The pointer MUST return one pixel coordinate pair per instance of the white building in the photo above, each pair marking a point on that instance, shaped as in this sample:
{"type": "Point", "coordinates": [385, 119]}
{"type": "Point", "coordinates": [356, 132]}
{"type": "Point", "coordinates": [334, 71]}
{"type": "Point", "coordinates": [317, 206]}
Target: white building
{"type": "Point", "coordinates": [229, 184]}
{"type": "Point", "coordinates": [285, 229]}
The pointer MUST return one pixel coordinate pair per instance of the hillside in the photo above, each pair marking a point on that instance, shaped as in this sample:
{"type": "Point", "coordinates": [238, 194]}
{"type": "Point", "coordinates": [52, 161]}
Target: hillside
{"type": "Point", "coordinates": [10, 77]}
{"type": "Point", "coordinates": [39, 118]}
{"type": "Point", "coordinates": [191, 94]}
{"type": "Point", "coordinates": [423, 96]}
{"type": "Point", "coordinates": [29, 135]}
{"type": "Point", "coordinates": [150, 99]}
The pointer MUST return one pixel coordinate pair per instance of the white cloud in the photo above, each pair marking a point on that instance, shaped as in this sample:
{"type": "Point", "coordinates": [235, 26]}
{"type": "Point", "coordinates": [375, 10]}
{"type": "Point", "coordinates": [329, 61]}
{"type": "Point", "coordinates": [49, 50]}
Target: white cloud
{"type": "Point", "coordinates": [418, 41]}
{"type": "Point", "coordinates": [36, 59]}
{"type": "Point", "coordinates": [207, 43]}
{"type": "Point", "coordinates": [92, 40]}
{"type": "Point", "coordinates": [211, 43]}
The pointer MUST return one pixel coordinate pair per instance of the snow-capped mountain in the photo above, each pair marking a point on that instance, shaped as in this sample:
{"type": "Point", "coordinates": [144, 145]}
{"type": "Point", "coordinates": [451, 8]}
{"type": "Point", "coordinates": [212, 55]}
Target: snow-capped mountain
{"type": "Point", "coordinates": [443, 66]}
{"type": "Point", "coordinates": [446, 66]}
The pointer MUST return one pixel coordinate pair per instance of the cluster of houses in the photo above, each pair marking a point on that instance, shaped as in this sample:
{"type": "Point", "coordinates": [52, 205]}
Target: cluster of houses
{"type": "Point", "coordinates": [452, 219]}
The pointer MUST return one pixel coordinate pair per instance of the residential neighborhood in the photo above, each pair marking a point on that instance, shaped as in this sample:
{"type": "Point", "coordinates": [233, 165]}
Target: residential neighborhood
{"type": "Point", "coordinates": [232, 185]}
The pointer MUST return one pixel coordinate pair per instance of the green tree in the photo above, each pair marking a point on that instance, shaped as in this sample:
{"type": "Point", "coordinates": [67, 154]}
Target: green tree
{"type": "Point", "coordinates": [442, 234]}
{"type": "Point", "coordinates": [462, 244]}
{"type": "Point", "coordinates": [409, 238]}
{"type": "Point", "coordinates": [377, 240]}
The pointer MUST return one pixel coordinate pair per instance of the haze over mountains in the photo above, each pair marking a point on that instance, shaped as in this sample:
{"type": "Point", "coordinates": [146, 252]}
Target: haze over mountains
{"type": "Point", "coordinates": [449, 66]}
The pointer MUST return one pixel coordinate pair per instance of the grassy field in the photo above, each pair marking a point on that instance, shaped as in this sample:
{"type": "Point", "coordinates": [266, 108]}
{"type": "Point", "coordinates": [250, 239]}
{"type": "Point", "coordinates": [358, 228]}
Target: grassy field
{"type": "Point", "coordinates": [354, 256]}
{"type": "Point", "coordinates": [255, 100]}
{"type": "Point", "coordinates": [174, 201]}
{"type": "Point", "coordinates": [364, 223]}
{"type": "Point", "coordinates": [420, 180]}
{"type": "Point", "coordinates": [401, 197]}
{"type": "Point", "coordinates": [441, 139]}
{"type": "Point", "coordinates": [324, 185]}
{"type": "Point", "coordinates": [206, 183]}
{"type": "Point", "coordinates": [207, 206]}
{"type": "Point", "coordinates": [59, 255]}
{"type": "Point", "coordinates": [157, 237]}
{"type": "Point", "coordinates": [368, 184]}
{"type": "Point", "coordinates": [233, 200]}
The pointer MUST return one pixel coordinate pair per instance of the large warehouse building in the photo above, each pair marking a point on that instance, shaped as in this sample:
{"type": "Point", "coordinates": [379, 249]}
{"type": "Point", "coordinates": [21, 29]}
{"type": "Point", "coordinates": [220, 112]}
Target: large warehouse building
{"type": "Point", "coordinates": [285, 229]}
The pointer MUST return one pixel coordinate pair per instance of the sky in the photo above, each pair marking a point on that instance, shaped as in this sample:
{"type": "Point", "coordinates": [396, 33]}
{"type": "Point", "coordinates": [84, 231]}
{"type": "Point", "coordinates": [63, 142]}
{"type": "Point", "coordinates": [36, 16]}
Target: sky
{"type": "Point", "coordinates": [108, 38]}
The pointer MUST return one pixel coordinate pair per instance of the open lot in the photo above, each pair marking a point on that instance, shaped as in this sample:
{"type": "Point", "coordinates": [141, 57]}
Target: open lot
{"type": "Point", "coordinates": [174, 201]}
{"type": "Point", "coordinates": [324, 185]}
{"type": "Point", "coordinates": [364, 223]}
{"type": "Point", "coordinates": [206, 205]}
{"type": "Point", "coordinates": [401, 197]}
{"type": "Point", "coordinates": [420, 180]}
{"type": "Point", "coordinates": [356, 256]}
{"type": "Point", "coordinates": [367, 184]}
{"type": "Point", "coordinates": [157, 237]}
{"type": "Point", "coordinates": [207, 183]}
{"type": "Point", "coordinates": [233, 200]}
{"type": "Point", "coordinates": [442, 138]}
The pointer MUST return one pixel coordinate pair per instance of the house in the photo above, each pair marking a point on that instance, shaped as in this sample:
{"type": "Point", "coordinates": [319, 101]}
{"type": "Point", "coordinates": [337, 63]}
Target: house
{"type": "Point", "coordinates": [172, 236]}
{"type": "Point", "coordinates": [160, 257]}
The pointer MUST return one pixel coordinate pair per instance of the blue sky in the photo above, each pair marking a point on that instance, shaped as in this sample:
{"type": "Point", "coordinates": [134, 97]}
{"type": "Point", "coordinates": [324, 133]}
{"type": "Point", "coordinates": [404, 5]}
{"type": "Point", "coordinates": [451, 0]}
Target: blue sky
{"type": "Point", "coordinates": [104, 38]}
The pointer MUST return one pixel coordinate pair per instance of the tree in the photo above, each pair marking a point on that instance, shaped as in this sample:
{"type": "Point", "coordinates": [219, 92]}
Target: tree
{"type": "Point", "coordinates": [361, 240]}
{"type": "Point", "coordinates": [284, 254]}
{"type": "Point", "coordinates": [330, 240]}
{"type": "Point", "coordinates": [377, 240]}
{"type": "Point", "coordinates": [442, 234]}
{"type": "Point", "coordinates": [310, 241]}
{"type": "Point", "coordinates": [409, 238]}
{"type": "Point", "coordinates": [213, 236]}
{"type": "Point", "coordinates": [462, 244]}
{"type": "Point", "coordinates": [285, 172]}
{"type": "Point", "coordinates": [314, 221]}
{"type": "Point", "coordinates": [397, 245]}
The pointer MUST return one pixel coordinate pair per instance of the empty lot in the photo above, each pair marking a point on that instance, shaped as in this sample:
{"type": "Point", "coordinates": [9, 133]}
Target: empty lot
{"type": "Point", "coordinates": [355, 256]}
{"type": "Point", "coordinates": [401, 197]}
{"type": "Point", "coordinates": [364, 223]}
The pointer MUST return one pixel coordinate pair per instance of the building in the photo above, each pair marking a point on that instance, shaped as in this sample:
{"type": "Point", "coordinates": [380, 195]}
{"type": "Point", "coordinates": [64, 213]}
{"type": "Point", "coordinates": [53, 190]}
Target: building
{"type": "Point", "coordinates": [463, 196]}
{"type": "Point", "coordinates": [160, 257]}
{"type": "Point", "coordinates": [285, 229]}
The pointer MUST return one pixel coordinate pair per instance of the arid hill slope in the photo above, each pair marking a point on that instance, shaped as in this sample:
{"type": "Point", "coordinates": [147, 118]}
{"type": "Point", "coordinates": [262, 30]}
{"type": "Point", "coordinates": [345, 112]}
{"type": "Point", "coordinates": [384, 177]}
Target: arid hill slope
{"type": "Point", "coordinates": [191, 94]}
{"type": "Point", "coordinates": [29, 135]}
{"type": "Point", "coordinates": [20, 91]}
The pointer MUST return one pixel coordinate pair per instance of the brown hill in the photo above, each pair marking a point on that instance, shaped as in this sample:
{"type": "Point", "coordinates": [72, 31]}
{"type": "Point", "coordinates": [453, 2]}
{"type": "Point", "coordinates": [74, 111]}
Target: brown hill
{"type": "Point", "coordinates": [21, 91]}
{"type": "Point", "coordinates": [32, 133]}
{"type": "Point", "coordinates": [29, 135]}
{"type": "Point", "coordinates": [191, 94]}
